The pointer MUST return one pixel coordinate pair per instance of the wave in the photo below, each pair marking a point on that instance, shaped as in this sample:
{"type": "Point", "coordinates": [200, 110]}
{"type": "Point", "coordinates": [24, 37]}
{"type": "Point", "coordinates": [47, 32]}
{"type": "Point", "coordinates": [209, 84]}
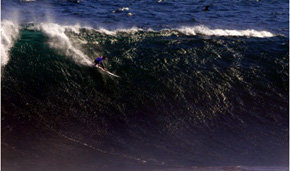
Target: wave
{"type": "Point", "coordinates": [9, 33]}
{"type": "Point", "coordinates": [192, 88]}
{"type": "Point", "coordinates": [59, 39]}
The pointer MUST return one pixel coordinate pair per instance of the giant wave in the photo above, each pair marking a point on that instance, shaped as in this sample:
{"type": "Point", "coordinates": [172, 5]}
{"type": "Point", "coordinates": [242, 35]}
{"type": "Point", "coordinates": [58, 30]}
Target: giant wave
{"type": "Point", "coordinates": [187, 98]}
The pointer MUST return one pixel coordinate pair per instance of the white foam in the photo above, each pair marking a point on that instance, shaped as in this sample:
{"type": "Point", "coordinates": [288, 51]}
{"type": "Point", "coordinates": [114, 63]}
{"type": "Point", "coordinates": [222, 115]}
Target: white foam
{"type": "Point", "coordinates": [121, 9]}
{"type": "Point", "coordinates": [195, 30]}
{"type": "Point", "coordinates": [9, 33]}
{"type": "Point", "coordinates": [203, 30]}
{"type": "Point", "coordinates": [27, 0]}
{"type": "Point", "coordinates": [124, 9]}
{"type": "Point", "coordinates": [59, 40]}
{"type": "Point", "coordinates": [114, 32]}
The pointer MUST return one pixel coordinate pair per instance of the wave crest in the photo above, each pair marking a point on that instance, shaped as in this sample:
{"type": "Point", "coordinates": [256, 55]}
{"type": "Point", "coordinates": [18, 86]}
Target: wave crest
{"type": "Point", "coordinates": [9, 33]}
{"type": "Point", "coordinates": [60, 40]}
{"type": "Point", "coordinates": [224, 32]}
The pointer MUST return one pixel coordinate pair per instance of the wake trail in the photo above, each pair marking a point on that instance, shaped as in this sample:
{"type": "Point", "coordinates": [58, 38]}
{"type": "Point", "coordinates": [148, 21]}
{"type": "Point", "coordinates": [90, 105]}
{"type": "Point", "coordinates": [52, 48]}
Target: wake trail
{"type": "Point", "coordinates": [143, 161]}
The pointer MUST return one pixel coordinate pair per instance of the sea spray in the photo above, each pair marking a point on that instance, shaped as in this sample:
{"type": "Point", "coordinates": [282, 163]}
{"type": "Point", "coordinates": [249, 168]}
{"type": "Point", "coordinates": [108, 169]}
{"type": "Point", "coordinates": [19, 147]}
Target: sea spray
{"type": "Point", "coordinates": [9, 33]}
{"type": "Point", "coordinates": [59, 40]}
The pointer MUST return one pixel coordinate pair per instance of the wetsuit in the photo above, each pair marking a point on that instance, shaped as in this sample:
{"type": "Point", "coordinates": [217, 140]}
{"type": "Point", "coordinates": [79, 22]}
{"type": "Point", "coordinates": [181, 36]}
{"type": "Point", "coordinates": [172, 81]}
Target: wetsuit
{"type": "Point", "coordinates": [98, 61]}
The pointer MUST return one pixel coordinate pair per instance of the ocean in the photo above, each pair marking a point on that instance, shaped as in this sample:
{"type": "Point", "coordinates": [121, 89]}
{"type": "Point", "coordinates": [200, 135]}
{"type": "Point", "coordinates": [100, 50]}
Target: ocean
{"type": "Point", "coordinates": [198, 89]}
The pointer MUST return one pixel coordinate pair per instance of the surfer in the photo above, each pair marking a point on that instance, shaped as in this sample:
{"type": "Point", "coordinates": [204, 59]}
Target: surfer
{"type": "Point", "coordinates": [99, 62]}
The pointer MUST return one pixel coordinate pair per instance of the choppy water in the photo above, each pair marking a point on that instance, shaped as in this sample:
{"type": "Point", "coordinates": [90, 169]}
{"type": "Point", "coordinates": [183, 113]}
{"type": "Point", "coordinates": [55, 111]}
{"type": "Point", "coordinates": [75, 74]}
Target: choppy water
{"type": "Point", "coordinates": [197, 88]}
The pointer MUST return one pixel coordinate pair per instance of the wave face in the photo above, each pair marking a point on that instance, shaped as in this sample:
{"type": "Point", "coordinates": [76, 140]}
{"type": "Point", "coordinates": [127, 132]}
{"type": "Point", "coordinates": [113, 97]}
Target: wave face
{"type": "Point", "coordinates": [182, 99]}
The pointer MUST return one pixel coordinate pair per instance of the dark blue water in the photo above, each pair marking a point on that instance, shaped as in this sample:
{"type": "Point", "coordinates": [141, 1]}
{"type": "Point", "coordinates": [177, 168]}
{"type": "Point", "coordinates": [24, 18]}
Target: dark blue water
{"type": "Point", "coordinates": [197, 89]}
{"type": "Point", "coordinates": [271, 15]}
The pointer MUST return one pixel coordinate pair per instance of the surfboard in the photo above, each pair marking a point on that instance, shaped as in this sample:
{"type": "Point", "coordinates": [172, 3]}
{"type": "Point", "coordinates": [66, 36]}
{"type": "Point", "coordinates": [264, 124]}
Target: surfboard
{"type": "Point", "coordinates": [108, 72]}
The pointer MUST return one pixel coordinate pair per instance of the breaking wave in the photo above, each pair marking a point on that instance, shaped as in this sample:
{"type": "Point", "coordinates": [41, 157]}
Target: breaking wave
{"type": "Point", "coordinates": [9, 34]}
{"type": "Point", "coordinates": [59, 39]}
{"type": "Point", "coordinates": [184, 94]}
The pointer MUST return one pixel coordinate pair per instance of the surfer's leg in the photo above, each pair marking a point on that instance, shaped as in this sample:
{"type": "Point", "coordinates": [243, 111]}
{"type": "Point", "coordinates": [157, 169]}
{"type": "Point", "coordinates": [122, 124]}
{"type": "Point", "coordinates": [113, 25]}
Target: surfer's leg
{"type": "Point", "coordinates": [101, 64]}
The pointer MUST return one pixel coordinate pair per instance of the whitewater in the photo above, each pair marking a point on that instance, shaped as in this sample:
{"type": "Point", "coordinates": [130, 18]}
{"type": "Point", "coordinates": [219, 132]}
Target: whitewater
{"type": "Point", "coordinates": [59, 39]}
